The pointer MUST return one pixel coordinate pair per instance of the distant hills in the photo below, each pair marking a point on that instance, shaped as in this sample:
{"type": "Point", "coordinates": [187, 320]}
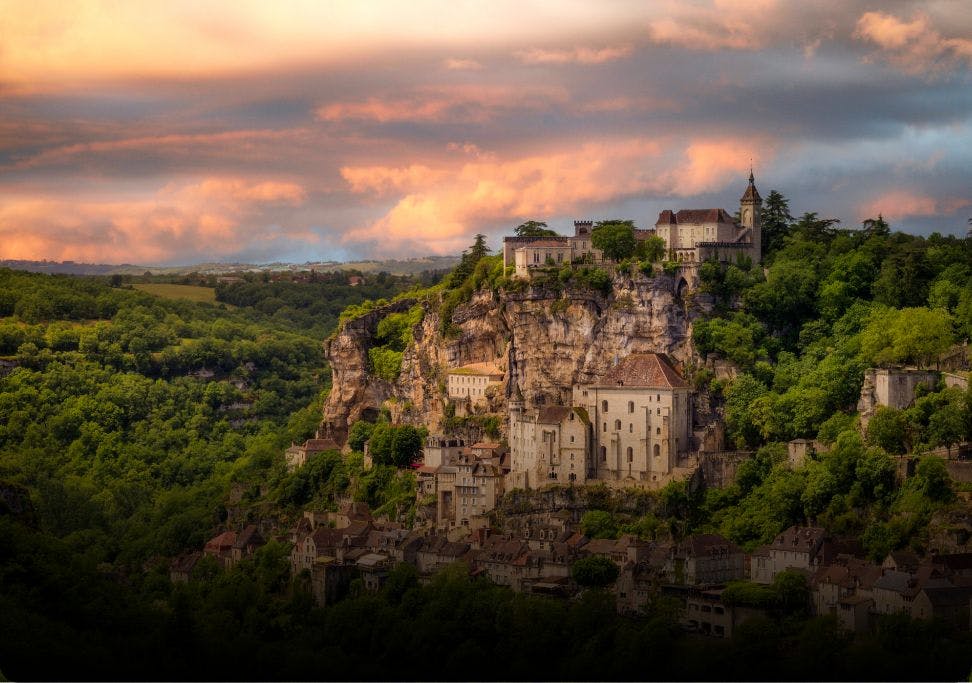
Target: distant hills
{"type": "Point", "coordinates": [394, 266]}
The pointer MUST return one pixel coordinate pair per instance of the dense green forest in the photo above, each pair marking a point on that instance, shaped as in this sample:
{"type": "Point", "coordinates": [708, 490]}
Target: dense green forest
{"type": "Point", "coordinates": [129, 417]}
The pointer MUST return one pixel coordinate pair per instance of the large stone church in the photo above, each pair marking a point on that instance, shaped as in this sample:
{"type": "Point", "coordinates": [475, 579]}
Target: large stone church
{"type": "Point", "coordinates": [631, 424]}
{"type": "Point", "coordinates": [695, 235]}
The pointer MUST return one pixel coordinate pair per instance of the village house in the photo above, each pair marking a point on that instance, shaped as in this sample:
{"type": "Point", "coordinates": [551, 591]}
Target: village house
{"type": "Point", "coordinates": [471, 382]}
{"type": "Point", "coordinates": [707, 559]}
{"type": "Point", "coordinates": [297, 455]}
{"type": "Point", "coordinates": [798, 548]}
{"type": "Point", "coordinates": [696, 235]}
{"type": "Point", "coordinates": [707, 614]}
{"type": "Point", "coordinates": [182, 567]}
{"type": "Point", "coordinates": [247, 543]}
{"type": "Point", "coordinates": [220, 548]}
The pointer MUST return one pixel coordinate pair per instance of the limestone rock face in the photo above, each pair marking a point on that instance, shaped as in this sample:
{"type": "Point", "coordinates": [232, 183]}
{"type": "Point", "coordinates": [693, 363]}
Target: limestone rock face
{"type": "Point", "coordinates": [545, 340]}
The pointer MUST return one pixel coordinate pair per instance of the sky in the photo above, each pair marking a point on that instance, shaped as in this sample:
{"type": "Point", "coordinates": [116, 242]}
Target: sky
{"type": "Point", "coordinates": [179, 132]}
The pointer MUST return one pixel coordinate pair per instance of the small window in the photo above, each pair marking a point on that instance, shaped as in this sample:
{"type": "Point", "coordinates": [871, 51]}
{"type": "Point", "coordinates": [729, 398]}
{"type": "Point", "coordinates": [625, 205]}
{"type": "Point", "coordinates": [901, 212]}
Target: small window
{"type": "Point", "coordinates": [630, 428]}
{"type": "Point", "coordinates": [604, 453]}
{"type": "Point", "coordinates": [657, 450]}
{"type": "Point", "coordinates": [617, 425]}
{"type": "Point", "coordinates": [604, 406]}
{"type": "Point", "coordinates": [657, 430]}
{"type": "Point", "coordinates": [604, 427]}
{"type": "Point", "coordinates": [630, 406]}
{"type": "Point", "coordinates": [657, 397]}
{"type": "Point", "coordinates": [572, 441]}
{"type": "Point", "coordinates": [630, 454]}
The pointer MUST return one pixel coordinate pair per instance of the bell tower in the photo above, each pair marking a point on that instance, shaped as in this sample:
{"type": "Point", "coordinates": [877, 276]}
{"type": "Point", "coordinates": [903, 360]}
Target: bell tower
{"type": "Point", "coordinates": [750, 206]}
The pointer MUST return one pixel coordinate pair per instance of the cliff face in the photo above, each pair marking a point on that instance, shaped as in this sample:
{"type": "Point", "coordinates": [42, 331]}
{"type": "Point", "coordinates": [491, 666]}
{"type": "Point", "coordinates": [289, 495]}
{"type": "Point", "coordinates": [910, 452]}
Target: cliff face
{"type": "Point", "coordinates": [545, 340]}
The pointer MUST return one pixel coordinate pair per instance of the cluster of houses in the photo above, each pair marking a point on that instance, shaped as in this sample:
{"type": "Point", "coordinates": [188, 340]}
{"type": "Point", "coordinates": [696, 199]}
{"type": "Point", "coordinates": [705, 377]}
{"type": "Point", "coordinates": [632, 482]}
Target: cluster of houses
{"type": "Point", "coordinates": [331, 550]}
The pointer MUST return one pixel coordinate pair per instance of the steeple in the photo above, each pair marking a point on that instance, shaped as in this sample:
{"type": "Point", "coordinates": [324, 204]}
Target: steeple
{"type": "Point", "coordinates": [751, 194]}
{"type": "Point", "coordinates": [750, 206]}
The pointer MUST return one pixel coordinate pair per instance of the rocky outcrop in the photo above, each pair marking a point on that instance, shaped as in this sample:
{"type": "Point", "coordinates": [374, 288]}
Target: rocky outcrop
{"type": "Point", "coordinates": [545, 339]}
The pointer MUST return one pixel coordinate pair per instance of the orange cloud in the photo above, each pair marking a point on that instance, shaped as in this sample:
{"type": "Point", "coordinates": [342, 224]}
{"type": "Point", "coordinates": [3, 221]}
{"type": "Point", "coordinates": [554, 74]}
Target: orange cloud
{"type": "Point", "coordinates": [718, 25]}
{"type": "Point", "coordinates": [898, 204]}
{"type": "Point", "coordinates": [69, 40]}
{"type": "Point", "coordinates": [914, 46]}
{"type": "Point", "coordinates": [474, 104]}
{"type": "Point", "coordinates": [383, 179]}
{"type": "Point", "coordinates": [208, 218]}
{"type": "Point", "coordinates": [577, 55]}
{"type": "Point", "coordinates": [488, 191]}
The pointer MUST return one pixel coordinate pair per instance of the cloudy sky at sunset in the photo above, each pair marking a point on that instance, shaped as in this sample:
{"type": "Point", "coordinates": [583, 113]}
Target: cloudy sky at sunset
{"type": "Point", "coordinates": [183, 131]}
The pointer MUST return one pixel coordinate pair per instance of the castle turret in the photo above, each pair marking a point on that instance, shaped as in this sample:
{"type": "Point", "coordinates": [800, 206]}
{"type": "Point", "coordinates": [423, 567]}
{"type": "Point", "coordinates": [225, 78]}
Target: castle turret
{"type": "Point", "coordinates": [750, 206]}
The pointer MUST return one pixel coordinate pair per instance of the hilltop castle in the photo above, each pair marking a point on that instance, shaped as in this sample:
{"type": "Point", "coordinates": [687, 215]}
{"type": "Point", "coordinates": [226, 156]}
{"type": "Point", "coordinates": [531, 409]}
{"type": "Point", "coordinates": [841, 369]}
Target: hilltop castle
{"type": "Point", "coordinates": [696, 235]}
{"type": "Point", "coordinates": [691, 236]}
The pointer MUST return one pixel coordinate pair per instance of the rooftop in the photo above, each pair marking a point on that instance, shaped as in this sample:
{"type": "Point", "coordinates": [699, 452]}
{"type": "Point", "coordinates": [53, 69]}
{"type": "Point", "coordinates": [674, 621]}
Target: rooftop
{"type": "Point", "coordinates": [644, 370]}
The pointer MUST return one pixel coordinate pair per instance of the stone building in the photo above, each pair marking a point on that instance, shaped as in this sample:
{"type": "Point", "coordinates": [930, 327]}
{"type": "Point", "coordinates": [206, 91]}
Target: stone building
{"type": "Point", "coordinates": [695, 235]}
{"type": "Point", "coordinates": [641, 419]}
{"type": "Point", "coordinates": [892, 387]}
{"type": "Point", "coordinates": [526, 253]}
{"type": "Point", "coordinates": [471, 381]}
{"type": "Point", "coordinates": [550, 445]}
{"type": "Point", "coordinates": [297, 455]}
{"type": "Point", "coordinates": [465, 483]}
{"type": "Point", "coordinates": [631, 424]}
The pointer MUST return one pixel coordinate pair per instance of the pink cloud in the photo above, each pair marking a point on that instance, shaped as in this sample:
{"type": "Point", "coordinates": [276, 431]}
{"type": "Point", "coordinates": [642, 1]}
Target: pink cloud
{"type": "Point", "coordinates": [898, 204]}
{"type": "Point", "coordinates": [456, 64]}
{"type": "Point", "coordinates": [914, 46]}
{"type": "Point", "coordinates": [576, 55]}
{"type": "Point", "coordinates": [211, 217]}
{"type": "Point", "coordinates": [477, 104]}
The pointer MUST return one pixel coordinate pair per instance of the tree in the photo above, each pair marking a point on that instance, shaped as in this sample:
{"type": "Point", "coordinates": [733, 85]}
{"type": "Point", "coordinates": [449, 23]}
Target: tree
{"type": "Point", "coordinates": [875, 227]}
{"type": "Point", "coordinates": [479, 249]}
{"type": "Point", "coordinates": [946, 427]}
{"type": "Point", "coordinates": [888, 429]}
{"type": "Point", "coordinates": [533, 229]}
{"type": "Point", "coordinates": [814, 228]}
{"type": "Point", "coordinates": [599, 524]}
{"type": "Point", "coordinates": [911, 335]}
{"type": "Point", "coordinates": [652, 249]}
{"type": "Point", "coordinates": [596, 571]}
{"type": "Point", "coordinates": [775, 219]}
{"type": "Point", "coordinates": [359, 434]}
{"type": "Point", "coordinates": [615, 238]}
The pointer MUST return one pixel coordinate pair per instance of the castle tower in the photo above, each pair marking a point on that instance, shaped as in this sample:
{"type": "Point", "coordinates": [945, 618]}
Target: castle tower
{"type": "Point", "coordinates": [750, 206]}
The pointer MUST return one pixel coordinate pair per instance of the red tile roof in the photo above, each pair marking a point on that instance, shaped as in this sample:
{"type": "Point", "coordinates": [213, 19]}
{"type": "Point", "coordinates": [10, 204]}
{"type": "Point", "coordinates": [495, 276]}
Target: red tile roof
{"type": "Point", "coordinates": [644, 370]}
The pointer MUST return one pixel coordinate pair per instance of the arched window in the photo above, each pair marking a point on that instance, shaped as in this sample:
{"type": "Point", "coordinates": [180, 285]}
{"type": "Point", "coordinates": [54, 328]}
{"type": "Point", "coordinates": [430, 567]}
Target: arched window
{"type": "Point", "coordinates": [630, 454]}
{"type": "Point", "coordinates": [617, 425]}
{"type": "Point", "coordinates": [630, 428]}
{"type": "Point", "coordinates": [630, 406]}
{"type": "Point", "coordinates": [604, 453]}
{"type": "Point", "coordinates": [604, 406]}
{"type": "Point", "coordinates": [657, 450]}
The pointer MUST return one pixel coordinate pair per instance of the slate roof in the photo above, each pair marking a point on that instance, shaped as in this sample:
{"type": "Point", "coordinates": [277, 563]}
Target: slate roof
{"type": "Point", "coordinates": [751, 193]}
{"type": "Point", "coordinates": [644, 370]}
{"type": "Point", "coordinates": [667, 217]}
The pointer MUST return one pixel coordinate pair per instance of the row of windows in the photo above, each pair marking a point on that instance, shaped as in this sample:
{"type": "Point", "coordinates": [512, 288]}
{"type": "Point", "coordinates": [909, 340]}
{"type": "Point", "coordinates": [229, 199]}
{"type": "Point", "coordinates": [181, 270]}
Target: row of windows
{"type": "Point", "coordinates": [617, 428]}
{"type": "Point", "coordinates": [631, 405]}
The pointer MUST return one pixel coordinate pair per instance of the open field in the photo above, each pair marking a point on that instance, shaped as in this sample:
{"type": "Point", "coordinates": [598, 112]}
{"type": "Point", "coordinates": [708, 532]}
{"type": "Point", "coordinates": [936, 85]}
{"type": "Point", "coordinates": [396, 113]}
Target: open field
{"type": "Point", "coordinates": [190, 292]}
